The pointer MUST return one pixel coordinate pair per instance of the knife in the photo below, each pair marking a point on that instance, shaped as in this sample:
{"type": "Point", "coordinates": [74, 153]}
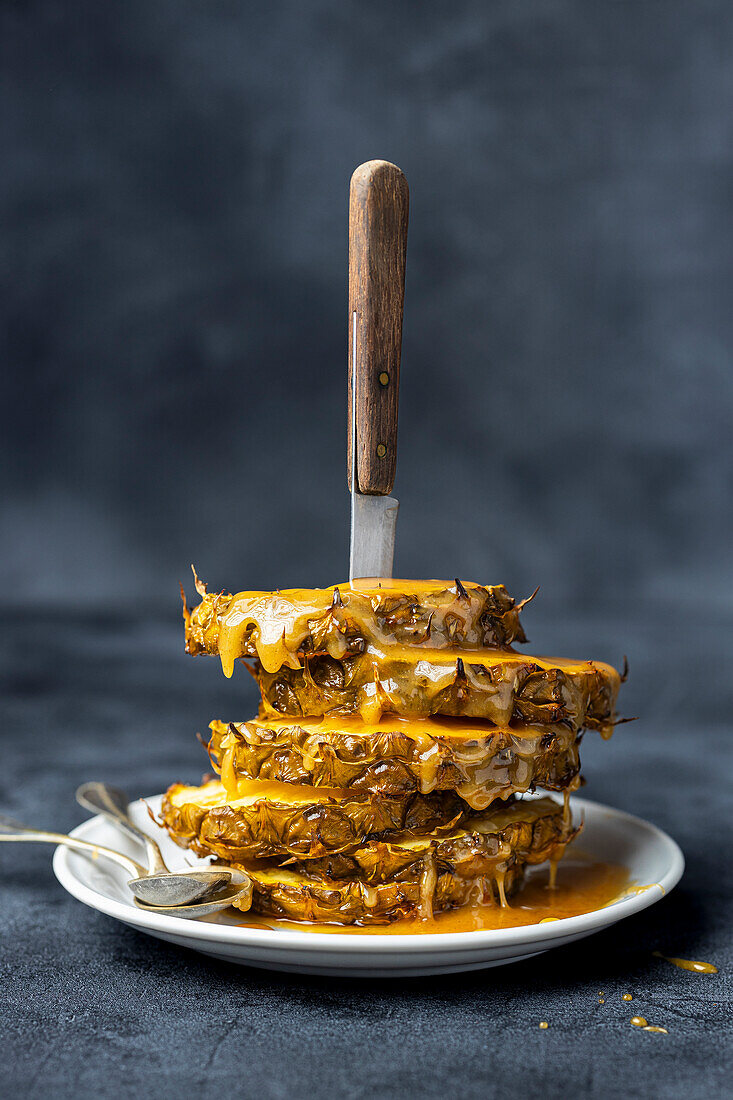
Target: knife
{"type": "Point", "coordinates": [378, 212]}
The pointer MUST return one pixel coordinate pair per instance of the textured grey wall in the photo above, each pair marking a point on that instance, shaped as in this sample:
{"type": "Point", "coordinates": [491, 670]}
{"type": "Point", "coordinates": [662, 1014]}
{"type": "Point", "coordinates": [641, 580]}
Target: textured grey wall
{"type": "Point", "coordinates": [173, 200]}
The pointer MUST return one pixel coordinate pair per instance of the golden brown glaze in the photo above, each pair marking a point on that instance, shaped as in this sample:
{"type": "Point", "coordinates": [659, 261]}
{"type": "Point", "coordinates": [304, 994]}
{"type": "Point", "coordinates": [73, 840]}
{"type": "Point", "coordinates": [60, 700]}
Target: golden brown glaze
{"type": "Point", "coordinates": [280, 628]}
{"type": "Point", "coordinates": [379, 784]}
{"type": "Point", "coordinates": [692, 965]}
{"type": "Point", "coordinates": [378, 877]}
{"type": "Point", "coordinates": [296, 821]}
{"type": "Point", "coordinates": [582, 887]}
{"type": "Point", "coordinates": [279, 893]}
{"type": "Point", "coordinates": [528, 832]}
{"type": "Point", "coordinates": [394, 756]}
{"type": "Point", "coordinates": [496, 686]}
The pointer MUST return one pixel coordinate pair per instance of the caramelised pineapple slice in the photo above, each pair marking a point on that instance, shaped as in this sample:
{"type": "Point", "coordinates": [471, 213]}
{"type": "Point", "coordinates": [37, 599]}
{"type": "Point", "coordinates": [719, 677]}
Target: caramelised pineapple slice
{"type": "Point", "coordinates": [481, 862]}
{"type": "Point", "coordinates": [268, 819]}
{"type": "Point", "coordinates": [281, 892]}
{"type": "Point", "coordinates": [498, 686]}
{"type": "Point", "coordinates": [395, 756]}
{"type": "Point", "coordinates": [279, 628]}
{"type": "Point", "coordinates": [528, 831]}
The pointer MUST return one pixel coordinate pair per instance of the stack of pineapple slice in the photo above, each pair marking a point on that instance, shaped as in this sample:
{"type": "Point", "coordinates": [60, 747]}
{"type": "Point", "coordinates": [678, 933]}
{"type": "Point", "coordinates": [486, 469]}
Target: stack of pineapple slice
{"type": "Point", "coordinates": [398, 730]}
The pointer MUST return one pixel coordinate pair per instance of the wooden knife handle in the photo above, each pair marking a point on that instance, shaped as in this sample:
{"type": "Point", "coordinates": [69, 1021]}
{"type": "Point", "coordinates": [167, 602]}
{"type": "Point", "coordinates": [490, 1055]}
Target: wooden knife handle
{"type": "Point", "coordinates": [378, 211]}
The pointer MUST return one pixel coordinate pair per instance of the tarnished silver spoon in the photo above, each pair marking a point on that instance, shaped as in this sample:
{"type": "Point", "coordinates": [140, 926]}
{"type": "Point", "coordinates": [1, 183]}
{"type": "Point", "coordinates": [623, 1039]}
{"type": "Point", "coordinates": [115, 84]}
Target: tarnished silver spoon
{"type": "Point", "coordinates": [238, 886]}
{"type": "Point", "coordinates": [226, 897]}
{"type": "Point", "coordinates": [158, 886]}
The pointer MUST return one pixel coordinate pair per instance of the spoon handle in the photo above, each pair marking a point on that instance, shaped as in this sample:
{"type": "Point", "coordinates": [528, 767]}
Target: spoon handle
{"type": "Point", "coordinates": [113, 803]}
{"type": "Point", "coordinates": [13, 831]}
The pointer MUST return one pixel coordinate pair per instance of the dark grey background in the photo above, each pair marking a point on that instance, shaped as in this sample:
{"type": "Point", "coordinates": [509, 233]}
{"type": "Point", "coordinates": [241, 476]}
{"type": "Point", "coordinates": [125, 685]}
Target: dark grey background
{"type": "Point", "coordinates": [173, 199]}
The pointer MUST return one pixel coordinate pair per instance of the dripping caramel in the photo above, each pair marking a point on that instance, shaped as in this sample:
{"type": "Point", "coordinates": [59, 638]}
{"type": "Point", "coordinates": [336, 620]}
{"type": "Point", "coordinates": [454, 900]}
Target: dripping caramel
{"type": "Point", "coordinates": [688, 964]}
{"type": "Point", "coordinates": [582, 887]}
{"type": "Point", "coordinates": [281, 628]}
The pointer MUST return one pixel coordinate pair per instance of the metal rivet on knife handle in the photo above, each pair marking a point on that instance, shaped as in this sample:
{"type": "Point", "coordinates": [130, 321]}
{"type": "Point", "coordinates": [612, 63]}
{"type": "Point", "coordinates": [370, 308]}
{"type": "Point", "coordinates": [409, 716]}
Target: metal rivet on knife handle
{"type": "Point", "coordinates": [381, 450]}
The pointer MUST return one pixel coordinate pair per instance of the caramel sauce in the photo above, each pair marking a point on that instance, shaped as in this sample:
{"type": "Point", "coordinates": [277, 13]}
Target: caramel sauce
{"type": "Point", "coordinates": [417, 682]}
{"type": "Point", "coordinates": [582, 887]}
{"type": "Point", "coordinates": [646, 886]}
{"type": "Point", "coordinates": [688, 964]}
{"type": "Point", "coordinates": [283, 619]}
{"type": "Point", "coordinates": [422, 730]}
{"type": "Point", "coordinates": [233, 790]}
{"type": "Point", "coordinates": [275, 626]}
{"type": "Point", "coordinates": [489, 773]}
{"type": "Point", "coordinates": [431, 663]}
{"type": "Point", "coordinates": [640, 1021]}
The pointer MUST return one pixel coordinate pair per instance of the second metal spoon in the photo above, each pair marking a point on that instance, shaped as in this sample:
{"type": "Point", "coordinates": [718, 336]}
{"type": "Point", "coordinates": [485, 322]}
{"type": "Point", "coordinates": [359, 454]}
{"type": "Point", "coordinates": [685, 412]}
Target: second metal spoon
{"type": "Point", "coordinates": [158, 886]}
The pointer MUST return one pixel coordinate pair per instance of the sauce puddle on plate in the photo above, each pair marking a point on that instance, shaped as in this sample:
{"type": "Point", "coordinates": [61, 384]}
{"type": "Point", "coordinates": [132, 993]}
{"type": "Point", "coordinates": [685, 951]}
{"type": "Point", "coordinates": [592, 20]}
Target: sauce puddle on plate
{"type": "Point", "coordinates": [582, 887]}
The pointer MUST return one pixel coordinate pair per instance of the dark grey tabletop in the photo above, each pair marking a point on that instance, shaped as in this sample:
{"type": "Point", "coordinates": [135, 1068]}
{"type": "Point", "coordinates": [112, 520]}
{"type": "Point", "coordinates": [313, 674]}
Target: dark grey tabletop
{"type": "Point", "coordinates": [90, 1007]}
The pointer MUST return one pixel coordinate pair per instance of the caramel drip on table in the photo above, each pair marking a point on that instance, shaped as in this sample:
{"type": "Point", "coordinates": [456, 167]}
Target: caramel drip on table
{"type": "Point", "coordinates": [640, 1021]}
{"type": "Point", "coordinates": [688, 964]}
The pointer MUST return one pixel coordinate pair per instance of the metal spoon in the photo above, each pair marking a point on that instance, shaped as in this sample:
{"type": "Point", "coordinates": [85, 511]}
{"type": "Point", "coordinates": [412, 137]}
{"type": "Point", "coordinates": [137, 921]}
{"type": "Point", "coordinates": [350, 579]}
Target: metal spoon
{"type": "Point", "coordinates": [159, 886]}
{"type": "Point", "coordinates": [239, 888]}
{"type": "Point", "coordinates": [212, 905]}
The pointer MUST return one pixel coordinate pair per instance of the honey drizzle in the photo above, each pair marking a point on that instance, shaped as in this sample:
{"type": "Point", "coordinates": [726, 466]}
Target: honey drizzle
{"type": "Point", "coordinates": [500, 888]}
{"type": "Point", "coordinates": [688, 964]}
{"type": "Point", "coordinates": [428, 880]}
{"type": "Point", "coordinates": [640, 1021]}
{"type": "Point", "coordinates": [485, 774]}
{"type": "Point", "coordinates": [278, 623]}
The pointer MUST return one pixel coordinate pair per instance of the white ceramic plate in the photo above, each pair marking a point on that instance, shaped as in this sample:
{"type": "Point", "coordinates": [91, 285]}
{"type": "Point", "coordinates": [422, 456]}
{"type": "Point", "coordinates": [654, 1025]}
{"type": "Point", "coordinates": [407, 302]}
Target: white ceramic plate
{"type": "Point", "coordinates": [654, 861]}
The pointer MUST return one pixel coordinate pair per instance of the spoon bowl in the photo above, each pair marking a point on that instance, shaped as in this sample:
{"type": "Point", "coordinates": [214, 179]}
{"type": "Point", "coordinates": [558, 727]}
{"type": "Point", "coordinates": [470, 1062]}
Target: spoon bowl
{"type": "Point", "coordinates": [240, 889]}
{"type": "Point", "coordinates": [173, 889]}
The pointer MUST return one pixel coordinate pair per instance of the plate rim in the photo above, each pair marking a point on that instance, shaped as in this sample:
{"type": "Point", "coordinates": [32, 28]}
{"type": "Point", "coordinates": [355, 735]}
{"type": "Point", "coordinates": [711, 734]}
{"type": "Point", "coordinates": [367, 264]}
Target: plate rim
{"type": "Point", "coordinates": [426, 943]}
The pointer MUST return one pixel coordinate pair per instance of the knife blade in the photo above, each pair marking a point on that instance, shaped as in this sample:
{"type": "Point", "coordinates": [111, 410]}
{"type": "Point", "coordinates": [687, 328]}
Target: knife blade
{"type": "Point", "coordinates": [378, 214]}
